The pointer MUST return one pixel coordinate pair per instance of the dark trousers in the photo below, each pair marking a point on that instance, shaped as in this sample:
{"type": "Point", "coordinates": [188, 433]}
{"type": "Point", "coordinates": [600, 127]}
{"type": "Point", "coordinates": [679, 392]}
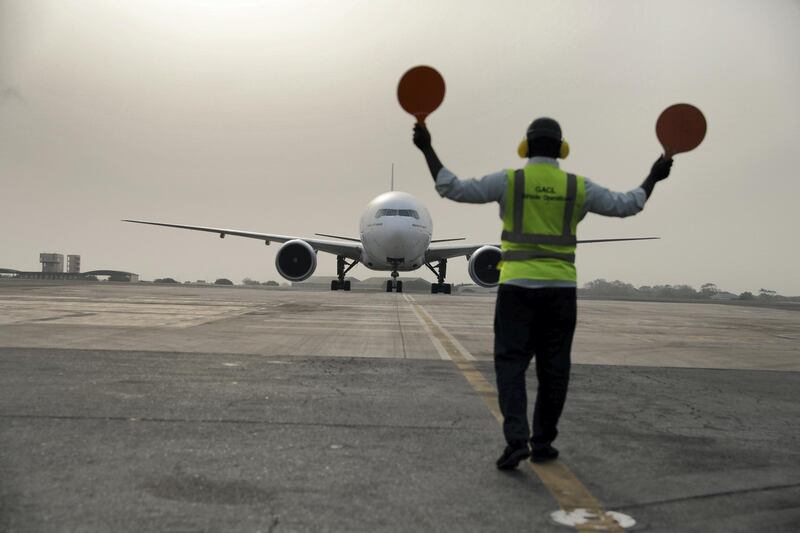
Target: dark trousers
{"type": "Point", "coordinates": [528, 323]}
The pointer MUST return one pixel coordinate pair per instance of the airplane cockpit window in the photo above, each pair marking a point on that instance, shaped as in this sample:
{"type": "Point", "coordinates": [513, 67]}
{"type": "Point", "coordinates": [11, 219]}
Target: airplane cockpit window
{"type": "Point", "coordinates": [397, 213]}
{"type": "Point", "coordinates": [386, 213]}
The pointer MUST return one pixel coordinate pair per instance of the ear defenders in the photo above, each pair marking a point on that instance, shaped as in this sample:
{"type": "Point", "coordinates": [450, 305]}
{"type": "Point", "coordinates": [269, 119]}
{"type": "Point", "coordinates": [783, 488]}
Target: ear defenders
{"type": "Point", "coordinates": [563, 151]}
{"type": "Point", "coordinates": [544, 127]}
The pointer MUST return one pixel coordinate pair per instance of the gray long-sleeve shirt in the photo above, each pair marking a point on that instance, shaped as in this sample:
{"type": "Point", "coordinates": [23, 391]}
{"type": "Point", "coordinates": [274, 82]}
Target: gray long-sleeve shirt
{"type": "Point", "coordinates": [493, 187]}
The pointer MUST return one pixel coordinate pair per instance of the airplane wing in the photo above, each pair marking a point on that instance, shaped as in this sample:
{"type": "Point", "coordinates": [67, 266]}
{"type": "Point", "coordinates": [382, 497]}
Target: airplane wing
{"type": "Point", "coordinates": [436, 253]}
{"type": "Point", "coordinates": [588, 241]}
{"type": "Point", "coordinates": [449, 240]}
{"type": "Point", "coordinates": [351, 251]}
{"type": "Point", "coordinates": [446, 251]}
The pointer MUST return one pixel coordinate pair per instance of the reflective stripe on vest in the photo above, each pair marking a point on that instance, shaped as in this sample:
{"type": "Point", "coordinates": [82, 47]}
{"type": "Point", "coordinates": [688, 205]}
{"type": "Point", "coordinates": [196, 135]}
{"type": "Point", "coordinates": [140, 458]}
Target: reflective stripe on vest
{"type": "Point", "coordinates": [521, 255]}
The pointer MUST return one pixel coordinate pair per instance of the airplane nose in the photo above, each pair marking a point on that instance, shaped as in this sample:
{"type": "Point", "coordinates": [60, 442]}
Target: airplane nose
{"type": "Point", "coordinates": [397, 239]}
{"type": "Point", "coordinates": [396, 234]}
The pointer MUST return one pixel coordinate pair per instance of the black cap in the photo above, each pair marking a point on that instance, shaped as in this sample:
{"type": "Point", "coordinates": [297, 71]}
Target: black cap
{"type": "Point", "coordinates": [544, 127]}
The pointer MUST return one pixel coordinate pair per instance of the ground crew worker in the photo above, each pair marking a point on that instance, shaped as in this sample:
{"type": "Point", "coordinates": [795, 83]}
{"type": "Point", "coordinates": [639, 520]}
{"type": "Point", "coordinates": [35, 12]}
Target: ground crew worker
{"type": "Point", "coordinates": [535, 312]}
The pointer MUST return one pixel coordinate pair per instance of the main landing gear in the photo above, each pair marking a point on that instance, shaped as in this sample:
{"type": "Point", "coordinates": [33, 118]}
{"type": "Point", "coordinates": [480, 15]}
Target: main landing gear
{"type": "Point", "coordinates": [342, 268]}
{"type": "Point", "coordinates": [440, 269]}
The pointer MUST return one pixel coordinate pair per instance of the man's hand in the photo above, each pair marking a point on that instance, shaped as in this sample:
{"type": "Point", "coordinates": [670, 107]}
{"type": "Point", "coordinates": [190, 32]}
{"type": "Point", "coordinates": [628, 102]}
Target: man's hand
{"type": "Point", "coordinates": [659, 171]}
{"type": "Point", "coordinates": [661, 168]}
{"type": "Point", "coordinates": [422, 137]}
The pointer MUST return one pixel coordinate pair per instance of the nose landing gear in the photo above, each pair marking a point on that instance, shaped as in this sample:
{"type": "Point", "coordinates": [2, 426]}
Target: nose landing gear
{"type": "Point", "coordinates": [394, 283]}
{"type": "Point", "coordinates": [440, 269]}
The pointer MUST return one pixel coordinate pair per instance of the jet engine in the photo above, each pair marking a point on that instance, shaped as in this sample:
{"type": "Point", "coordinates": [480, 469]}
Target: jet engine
{"type": "Point", "coordinates": [296, 260]}
{"type": "Point", "coordinates": [483, 266]}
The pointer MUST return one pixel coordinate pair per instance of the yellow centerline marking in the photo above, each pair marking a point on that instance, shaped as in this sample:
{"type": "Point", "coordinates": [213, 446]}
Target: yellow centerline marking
{"type": "Point", "coordinates": [567, 489]}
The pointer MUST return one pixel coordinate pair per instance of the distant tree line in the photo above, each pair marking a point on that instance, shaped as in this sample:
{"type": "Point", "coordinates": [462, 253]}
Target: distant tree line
{"type": "Point", "coordinates": [219, 281]}
{"type": "Point", "coordinates": [223, 281]}
{"type": "Point", "coordinates": [708, 291]}
{"type": "Point", "coordinates": [251, 282]}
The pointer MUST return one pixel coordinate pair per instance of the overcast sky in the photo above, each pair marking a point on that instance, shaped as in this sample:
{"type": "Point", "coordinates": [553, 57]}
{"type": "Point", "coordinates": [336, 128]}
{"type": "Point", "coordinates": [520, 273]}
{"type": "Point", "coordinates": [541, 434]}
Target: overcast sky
{"type": "Point", "coordinates": [281, 117]}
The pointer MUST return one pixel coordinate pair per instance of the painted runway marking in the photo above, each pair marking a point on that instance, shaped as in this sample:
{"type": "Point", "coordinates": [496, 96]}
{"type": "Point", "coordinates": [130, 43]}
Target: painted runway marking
{"type": "Point", "coordinates": [333, 327]}
{"type": "Point", "coordinates": [438, 345]}
{"type": "Point", "coordinates": [359, 306]}
{"type": "Point", "coordinates": [458, 346]}
{"type": "Point", "coordinates": [582, 517]}
{"type": "Point", "coordinates": [348, 320]}
{"type": "Point", "coordinates": [567, 489]}
{"type": "Point", "coordinates": [400, 328]}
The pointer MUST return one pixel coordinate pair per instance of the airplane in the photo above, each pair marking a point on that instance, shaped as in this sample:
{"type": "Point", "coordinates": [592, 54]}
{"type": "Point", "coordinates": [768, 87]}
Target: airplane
{"type": "Point", "coordinates": [396, 233]}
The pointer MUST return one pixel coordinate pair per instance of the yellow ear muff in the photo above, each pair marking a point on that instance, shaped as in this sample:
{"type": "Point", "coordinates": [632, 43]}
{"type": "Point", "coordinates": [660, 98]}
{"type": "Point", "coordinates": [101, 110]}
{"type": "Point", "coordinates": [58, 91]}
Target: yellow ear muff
{"type": "Point", "coordinates": [563, 152]}
{"type": "Point", "coordinates": [522, 149]}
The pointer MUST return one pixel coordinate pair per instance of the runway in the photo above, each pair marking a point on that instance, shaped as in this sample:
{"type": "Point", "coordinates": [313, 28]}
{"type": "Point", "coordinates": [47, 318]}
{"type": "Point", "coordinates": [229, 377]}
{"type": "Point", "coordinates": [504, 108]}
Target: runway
{"type": "Point", "coordinates": [144, 407]}
{"type": "Point", "coordinates": [338, 324]}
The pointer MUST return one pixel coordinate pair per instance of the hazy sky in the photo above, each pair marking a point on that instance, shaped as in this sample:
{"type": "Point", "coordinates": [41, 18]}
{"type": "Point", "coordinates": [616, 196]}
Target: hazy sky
{"type": "Point", "coordinates": [281, 117]}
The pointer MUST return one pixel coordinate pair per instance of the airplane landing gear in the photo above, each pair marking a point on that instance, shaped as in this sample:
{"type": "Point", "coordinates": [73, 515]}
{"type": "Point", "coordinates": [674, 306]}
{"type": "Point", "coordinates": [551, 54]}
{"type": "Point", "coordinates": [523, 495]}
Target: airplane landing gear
{"type": "Point", "coordinates": [394, 283]}
{"type": "Point", "coordinates": [444, 288]}
{"type": "Point", "coordinates": [342, 268]}
{"type": "Point", "coordinates": [440, 269]}
{"type": "Point", "coordinates": [340, 285]}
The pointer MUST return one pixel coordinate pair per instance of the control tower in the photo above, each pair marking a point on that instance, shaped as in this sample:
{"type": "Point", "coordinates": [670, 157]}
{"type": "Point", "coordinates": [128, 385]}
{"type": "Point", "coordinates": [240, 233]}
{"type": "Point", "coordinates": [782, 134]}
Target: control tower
{"type": "Point", "coordinates": [52, 262]}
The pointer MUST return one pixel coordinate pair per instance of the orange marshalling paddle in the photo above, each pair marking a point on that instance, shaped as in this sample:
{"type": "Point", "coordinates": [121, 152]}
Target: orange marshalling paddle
{"type": "Point", "coordinates": [421, 91]}
{"type": "Point", "coordinates": [680, 128]}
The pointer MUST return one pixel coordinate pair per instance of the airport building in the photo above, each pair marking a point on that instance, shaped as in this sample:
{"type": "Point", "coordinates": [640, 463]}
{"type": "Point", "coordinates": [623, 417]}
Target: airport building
{"type": "Point", "coordinates": [51, 263]}
{"type": "Point", "coordinates": [54, 263]}
{"type": "Point", "coordinates": [73, 264]}
{"type": "Point", "coordinates": [53, 269]}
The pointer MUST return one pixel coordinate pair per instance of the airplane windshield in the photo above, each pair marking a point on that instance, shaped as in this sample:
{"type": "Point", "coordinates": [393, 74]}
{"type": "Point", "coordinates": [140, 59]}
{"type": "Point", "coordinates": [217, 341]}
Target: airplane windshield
{"type": "Point", "coordinates": [397, 213]}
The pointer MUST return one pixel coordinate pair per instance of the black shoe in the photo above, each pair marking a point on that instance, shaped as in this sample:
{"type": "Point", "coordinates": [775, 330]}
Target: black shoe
{"type": "Point", "coordinates": [512, 455]}
{"type": "Point", "coordinates": [543, 453]}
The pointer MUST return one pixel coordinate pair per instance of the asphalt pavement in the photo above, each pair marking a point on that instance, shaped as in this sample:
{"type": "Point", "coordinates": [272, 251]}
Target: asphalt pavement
{"type": "Point", "coordinates": [120, 439]}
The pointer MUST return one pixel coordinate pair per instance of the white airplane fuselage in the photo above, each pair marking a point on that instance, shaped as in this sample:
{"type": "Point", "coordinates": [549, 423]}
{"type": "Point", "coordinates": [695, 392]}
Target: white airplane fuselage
{"type": "Point", "coordinates": [395, 231]}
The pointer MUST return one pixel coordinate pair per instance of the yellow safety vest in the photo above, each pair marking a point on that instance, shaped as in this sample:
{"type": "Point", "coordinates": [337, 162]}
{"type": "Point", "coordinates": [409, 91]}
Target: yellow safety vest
{"type": "Point", "coordinates": [543, 207]}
